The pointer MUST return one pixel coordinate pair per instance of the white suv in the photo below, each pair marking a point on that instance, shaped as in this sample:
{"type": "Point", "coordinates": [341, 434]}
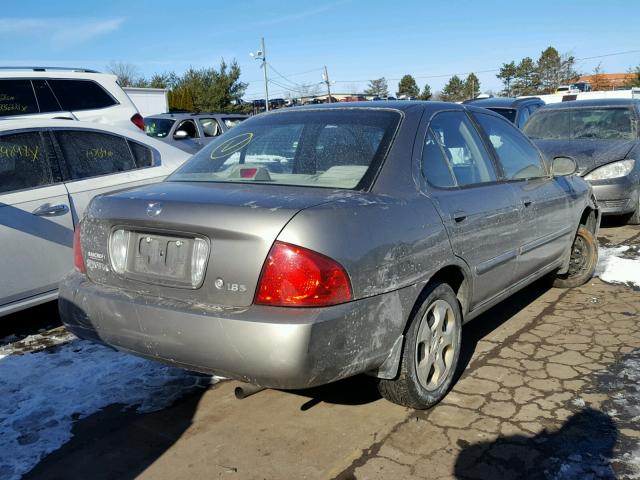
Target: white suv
{"type": "Point", "coordinates": [74, 94]}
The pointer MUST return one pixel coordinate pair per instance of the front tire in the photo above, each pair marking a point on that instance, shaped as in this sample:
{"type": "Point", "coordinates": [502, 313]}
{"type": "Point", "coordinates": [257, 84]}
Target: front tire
{"type": "Point", "coordinates": [584, 258]}
{"type": "Point", "coordinates": [431, 352]}
{"type": "Point", "coordinates": [634, 218]}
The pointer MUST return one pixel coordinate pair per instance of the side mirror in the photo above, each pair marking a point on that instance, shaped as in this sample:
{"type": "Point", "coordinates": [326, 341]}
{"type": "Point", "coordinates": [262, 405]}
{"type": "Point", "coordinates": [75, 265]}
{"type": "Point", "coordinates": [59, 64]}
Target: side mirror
{"type": "Point", "coordinates": [180, 135]}
{"type": "Point", "coordinates": [562, 166]}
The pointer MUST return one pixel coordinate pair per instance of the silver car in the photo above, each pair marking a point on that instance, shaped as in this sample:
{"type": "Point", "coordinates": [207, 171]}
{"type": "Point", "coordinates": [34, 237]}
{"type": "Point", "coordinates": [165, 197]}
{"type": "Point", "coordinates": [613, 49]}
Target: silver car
{"type": "Point", "coordinates": [311, 244]}
{"type": "Point", "coordinates": [49, 171]}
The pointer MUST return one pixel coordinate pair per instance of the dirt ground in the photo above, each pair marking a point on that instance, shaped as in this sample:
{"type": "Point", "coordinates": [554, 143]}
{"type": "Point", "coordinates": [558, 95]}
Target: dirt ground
{"type": "Point", "coordinates": [549, 390]}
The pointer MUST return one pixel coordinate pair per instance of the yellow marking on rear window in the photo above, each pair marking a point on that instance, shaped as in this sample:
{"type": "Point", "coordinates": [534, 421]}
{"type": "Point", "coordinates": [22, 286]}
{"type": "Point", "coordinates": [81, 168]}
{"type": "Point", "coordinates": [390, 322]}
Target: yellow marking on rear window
{"type": "Point", "coordinates": [231, 146]}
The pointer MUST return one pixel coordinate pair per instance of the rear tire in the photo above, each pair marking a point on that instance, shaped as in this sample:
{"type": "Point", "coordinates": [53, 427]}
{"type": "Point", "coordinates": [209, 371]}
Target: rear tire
{"type": "Point", "coordinates": [584, 258]}
{"type": "Point", "coordinates": [430, 354]}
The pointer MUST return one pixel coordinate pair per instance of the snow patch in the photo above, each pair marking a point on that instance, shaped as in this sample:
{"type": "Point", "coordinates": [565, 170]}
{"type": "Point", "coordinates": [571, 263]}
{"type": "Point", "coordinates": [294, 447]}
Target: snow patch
{"type": "Point", "coordinates": [614, 267]}
{"type": "Point", "coordinates": [43, 393]}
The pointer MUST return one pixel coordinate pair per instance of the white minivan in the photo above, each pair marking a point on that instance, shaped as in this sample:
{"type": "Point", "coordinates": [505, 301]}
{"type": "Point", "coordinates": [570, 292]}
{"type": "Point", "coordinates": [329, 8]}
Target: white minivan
{"type": "Point", "coordinates": [65, 93]}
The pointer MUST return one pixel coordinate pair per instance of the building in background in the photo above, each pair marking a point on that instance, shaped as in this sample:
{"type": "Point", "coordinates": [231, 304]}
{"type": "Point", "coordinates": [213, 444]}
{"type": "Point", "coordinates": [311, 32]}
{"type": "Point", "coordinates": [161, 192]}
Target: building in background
{"type": "Point", "coordinates": [149, 101]}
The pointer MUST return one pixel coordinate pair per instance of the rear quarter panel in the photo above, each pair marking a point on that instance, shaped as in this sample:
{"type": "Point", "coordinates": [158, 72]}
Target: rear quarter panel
{"type": "Point", "coordinates": [384, 243]}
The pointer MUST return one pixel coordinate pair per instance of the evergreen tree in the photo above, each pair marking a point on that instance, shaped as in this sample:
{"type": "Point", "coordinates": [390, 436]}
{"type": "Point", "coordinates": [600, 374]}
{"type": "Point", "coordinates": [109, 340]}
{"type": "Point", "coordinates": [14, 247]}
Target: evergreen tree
{"type": "Point", "coordinates": [549, 70]}
{"type": "Point", "coordinates": [408, 87]}
{"type": "Point", "coordinates": [378, 88]}
{"type": "Point", "coordinates": [454, 90]}
{"type": "Point", "coordinates": [471, 86]}
{"type": "Point", "coordinates": [526, 81]}
{"type": "Point", "coordinates": [507, 73]}
{"type": "Point", "coordinates": [426, 93]}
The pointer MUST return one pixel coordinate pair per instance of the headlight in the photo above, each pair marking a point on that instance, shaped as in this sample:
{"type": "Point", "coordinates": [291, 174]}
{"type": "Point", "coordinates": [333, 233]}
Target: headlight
{"type": "Point", "coordinates": [118, 250]}
{"type": "Point", "coordinates": [612, 170]}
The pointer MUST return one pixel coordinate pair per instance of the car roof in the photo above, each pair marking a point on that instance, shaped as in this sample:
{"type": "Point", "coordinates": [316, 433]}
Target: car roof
{"type": "Point", "coordinates": [401, 105]}
{"type": "Point", "coordinates": [600, 102]}
{"type": "Point", "coordinates": [501, 102]}
{"type": "Point", "coordinates": [43, 72]}
{"type": "Point", "coordinates": [181, 115]}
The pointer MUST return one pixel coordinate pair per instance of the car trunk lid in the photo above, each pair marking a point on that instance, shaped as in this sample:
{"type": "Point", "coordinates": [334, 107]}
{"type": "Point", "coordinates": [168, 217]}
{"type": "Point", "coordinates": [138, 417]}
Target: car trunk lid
{"type": "Point", "coordinates": [165, 222]}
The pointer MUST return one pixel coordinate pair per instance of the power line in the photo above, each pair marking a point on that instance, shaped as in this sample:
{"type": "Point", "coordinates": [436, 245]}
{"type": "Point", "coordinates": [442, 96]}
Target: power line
{"type": "Point", "coordinates": [283, 77]}
{"type": "Point", "coordinates": [428, 76]}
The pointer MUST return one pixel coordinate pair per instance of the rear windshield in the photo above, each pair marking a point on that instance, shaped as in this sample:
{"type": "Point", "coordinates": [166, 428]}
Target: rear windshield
{"type": "Point", "coordinates": [598, 123]}
{"type": "Point", "coordinates": [338, 148]}
{"type": "Point", "coordinates": [508, 113]}
{"type": "Point", "coordinates": [158, 127]}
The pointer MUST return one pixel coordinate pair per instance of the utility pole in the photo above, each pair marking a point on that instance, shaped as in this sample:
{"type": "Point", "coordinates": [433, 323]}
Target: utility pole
{"type": "Point", "coordinates": [266, 81]}
{"type": "Point", "coordinates": [325, 79]}
{"type": "Point", "coordinates": [262, 55]}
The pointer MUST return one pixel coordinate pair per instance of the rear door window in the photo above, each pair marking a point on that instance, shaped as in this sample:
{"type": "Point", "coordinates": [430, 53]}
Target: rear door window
{"type": "Point", "coordinates": [17, 98]}
{"type": "Point", "coordinates": [90, 154]}
{"type": "Point", "coordinates": [210, 127]}
{"type": "Point", "coordinates": [23, 162]}
{"type": "Point", "coordinates": [435, 167]}
{"type": "Point", "coordinates": [46, 100]}
{"type": "Point", "coordinates": [519, 159]}
{"type": "Point", "coordinates": [80, 94]}
{"type": "Point", "coordinates": [463, 147]}
{"type": "Point", "coordinates": [188, 126]}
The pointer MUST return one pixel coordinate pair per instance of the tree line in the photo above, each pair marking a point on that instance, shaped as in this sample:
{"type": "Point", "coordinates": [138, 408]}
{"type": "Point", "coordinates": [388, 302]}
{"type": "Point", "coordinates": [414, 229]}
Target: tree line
{"type": "Point", "coordinates": [523, 77]}
{"type": "Point", "coordinates": [220, 89]}
{"type": "Point", "coordinates": [196, 90]}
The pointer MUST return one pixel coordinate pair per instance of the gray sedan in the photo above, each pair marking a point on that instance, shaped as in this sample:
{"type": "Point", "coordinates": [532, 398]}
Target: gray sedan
{"type": "Point", "coordinates": [312, 244]}
{"type": "Point", "coordinates": [603, 136]}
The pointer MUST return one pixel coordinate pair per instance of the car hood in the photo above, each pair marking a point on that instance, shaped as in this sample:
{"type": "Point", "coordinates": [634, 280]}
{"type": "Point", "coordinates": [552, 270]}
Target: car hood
{"type": "Point", "coordinates": [587, 153]}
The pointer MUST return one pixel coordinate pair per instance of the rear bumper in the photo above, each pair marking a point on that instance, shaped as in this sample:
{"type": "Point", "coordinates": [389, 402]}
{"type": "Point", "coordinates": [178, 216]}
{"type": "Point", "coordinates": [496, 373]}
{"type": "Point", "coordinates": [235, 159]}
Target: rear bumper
{"type": "Point", "coordinates": [269, 346]}
{"type": "Point", "coordinates": [616, 196]}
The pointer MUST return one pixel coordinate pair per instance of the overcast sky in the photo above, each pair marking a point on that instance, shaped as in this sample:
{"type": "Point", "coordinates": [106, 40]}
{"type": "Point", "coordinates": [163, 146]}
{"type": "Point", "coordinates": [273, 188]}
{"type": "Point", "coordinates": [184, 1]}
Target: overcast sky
{"type": "Point", "coordinates": [358, 40]}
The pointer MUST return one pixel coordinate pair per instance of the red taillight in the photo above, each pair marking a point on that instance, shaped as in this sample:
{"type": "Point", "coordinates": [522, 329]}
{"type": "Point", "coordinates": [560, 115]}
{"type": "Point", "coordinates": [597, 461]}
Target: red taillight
{"type": "Point", "coordinates": [298, 277]}
{"type": "Point", "coordinates": [138, 121]}
{"type": "Point", "coordinates": [78, 261]}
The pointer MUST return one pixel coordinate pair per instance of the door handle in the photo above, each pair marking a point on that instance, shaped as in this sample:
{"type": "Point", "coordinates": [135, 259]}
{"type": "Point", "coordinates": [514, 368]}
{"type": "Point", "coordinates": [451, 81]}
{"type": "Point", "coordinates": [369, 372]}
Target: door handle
{"type": "Point", "coordinates": [459, 216]}
{"type": "Point", "coordinates": [526, 201]}
{"type": "Point", "coordinates": [48, 210]}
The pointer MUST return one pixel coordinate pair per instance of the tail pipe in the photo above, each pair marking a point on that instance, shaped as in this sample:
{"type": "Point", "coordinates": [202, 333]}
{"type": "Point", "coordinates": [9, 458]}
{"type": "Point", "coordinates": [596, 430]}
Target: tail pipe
{"type": "Point", "coordinates": [245, 390]}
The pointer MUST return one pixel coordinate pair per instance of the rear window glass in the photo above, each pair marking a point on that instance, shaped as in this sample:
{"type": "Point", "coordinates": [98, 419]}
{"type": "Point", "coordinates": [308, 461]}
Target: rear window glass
{"type": "Point", "coordinates": [508, 113]}
{"type": "Point", "coordinates": [23, 162]}
{"type": "Point", "coordinates": [80, 94]}
{"type": "Point", "coordinates": [584, 123]}
{"type": "Point", "coordinates": [330, 148]}
{"type": "Point", "coordinates": [17, 98]}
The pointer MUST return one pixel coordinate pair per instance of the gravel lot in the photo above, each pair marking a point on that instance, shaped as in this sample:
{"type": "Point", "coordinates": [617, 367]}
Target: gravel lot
{"type": "Point", "coordinates": [550, 390]}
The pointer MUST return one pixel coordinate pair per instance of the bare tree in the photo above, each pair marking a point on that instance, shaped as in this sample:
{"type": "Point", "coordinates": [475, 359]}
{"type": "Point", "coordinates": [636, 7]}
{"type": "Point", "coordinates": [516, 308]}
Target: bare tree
{"type": "Point", "coordinates": [127, 73]}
